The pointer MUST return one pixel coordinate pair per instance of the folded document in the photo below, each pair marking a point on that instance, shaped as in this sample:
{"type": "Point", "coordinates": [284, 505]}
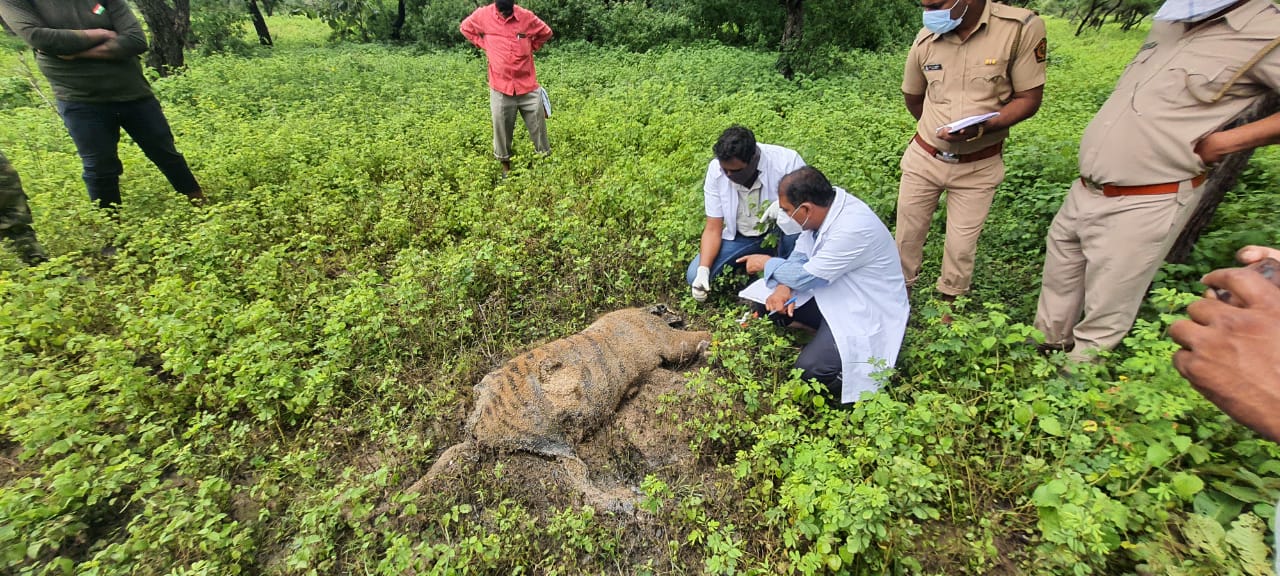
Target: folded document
{"type": "Point", "coordinates": [963, 123]}
{"type": "Point", "coordinates": [759, 291]}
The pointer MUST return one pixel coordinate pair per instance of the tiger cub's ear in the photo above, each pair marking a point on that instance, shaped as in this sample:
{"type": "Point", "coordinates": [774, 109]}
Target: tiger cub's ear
{"type": "Point", "coordinates": [671, 318]}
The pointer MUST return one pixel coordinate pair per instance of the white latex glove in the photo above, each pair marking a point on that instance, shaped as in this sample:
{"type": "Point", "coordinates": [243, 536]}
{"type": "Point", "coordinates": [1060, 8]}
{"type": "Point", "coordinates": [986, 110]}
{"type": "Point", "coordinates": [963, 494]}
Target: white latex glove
{"type": "Point", "coordinates": [771, 213]}
{"type": "Point", "coordinates": [701, 284]}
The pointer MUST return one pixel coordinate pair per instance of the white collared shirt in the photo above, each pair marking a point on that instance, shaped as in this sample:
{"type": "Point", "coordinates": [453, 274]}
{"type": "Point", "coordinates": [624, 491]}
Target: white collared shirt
{"type": "Point", "coordinates": [720, 197]}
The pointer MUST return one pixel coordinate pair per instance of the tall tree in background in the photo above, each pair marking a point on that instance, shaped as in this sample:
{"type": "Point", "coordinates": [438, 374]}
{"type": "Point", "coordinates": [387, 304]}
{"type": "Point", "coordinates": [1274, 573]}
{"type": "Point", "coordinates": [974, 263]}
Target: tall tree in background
{"type": "Point", "coordinates": [170, 28]}
{"type": "Point", "coordinates": [792, 33]}
{"type": "Point", "coordinates": [260, 23]}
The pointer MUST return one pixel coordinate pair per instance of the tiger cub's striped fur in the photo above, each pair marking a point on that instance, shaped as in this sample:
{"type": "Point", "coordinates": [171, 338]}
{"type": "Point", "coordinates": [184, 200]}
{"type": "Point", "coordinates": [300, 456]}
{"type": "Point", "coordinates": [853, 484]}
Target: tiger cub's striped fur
{"type": "Point", "coordinates": [548, 398]}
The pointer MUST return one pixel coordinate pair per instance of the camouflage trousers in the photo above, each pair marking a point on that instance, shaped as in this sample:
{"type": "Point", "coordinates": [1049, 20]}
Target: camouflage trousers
{"type": "Point", "coordinates": [15, 216]}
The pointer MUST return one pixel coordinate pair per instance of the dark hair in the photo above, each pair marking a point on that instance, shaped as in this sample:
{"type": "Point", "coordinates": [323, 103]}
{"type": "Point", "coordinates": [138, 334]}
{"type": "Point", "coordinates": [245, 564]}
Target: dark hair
{"type": "Point", "coordinates": [505, 6]}
{"type": "Point", "coordinates": [736, 142]}
{"type": "Point", "coordinates": [807, 184]}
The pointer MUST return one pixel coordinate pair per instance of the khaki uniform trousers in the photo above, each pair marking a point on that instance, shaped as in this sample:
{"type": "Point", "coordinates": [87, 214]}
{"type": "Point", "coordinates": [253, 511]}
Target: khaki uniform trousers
{"type": "Point", "coordinates": [970, 188]}
{"type": "Point", "coordinates": [503, 109]}
{"type": "Point", "coordinates": [1101, 254]}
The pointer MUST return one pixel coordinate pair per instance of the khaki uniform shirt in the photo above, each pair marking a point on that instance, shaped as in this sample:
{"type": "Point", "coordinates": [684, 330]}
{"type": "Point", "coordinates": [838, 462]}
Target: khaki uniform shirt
{"type": "Point", "coordinates": [1164, 102]}
{"type": "Point", "coordinates": [962, 78]}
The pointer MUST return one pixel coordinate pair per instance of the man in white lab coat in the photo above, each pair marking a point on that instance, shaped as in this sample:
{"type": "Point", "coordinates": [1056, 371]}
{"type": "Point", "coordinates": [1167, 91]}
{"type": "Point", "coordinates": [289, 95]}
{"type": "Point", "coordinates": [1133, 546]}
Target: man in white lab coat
{"type": "Point", "coordinates": [846, 279]}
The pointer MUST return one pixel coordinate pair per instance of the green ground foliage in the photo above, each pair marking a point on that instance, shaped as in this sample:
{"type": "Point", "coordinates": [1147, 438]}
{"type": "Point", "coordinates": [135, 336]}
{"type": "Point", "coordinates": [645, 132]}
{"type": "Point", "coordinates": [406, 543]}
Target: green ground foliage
{"type": "Point", "coordinates": [242, 387]}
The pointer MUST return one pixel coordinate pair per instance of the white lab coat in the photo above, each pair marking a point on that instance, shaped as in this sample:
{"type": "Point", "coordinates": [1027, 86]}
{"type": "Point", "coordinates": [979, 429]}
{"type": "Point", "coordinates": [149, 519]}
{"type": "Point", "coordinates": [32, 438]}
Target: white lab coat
{"type": "Point", "coordinates": [865, 302]}
{"type": "Point", "coordinates": [720, 199]}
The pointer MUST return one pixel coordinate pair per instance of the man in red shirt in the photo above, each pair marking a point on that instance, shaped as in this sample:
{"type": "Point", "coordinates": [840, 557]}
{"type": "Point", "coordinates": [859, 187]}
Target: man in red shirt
{"type": "Point", "coordinates": [509, 35]}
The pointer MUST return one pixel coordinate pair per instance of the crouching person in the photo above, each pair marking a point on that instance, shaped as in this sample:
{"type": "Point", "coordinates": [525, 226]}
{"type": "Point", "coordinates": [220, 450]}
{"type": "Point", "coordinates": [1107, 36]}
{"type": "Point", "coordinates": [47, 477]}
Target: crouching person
{"type": "Point", "coordinates": [740, 185]}
{"type": "Point", "coordinates": [843, 280]}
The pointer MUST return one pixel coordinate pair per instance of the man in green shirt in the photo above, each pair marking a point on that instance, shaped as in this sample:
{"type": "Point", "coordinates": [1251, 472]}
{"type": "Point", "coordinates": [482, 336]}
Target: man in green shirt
{"type": "Point", "coordinates": [88, 49]}
{"type": "Point", "coordinates": [15, 216]}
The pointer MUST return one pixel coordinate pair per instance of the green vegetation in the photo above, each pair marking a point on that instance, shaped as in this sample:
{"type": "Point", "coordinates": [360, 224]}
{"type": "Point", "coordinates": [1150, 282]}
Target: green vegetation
{"type": "Point", "coordinates": [243, 386]}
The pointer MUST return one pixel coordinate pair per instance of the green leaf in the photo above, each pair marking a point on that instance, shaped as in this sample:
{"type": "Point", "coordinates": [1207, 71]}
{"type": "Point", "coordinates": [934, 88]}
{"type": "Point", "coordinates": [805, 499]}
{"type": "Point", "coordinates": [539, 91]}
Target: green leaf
{"type": "Point", "coordinates": [1270, 467]}
{"type": "Point", "coordinates": [1187, 485]}
{"type": "Point", "coordinates": [1022, 414]}
{"type": "Point", "coordinates": [1241, 493]}
{"type": "Point", "coordinates": [1051, 426]}
{"type": "Point", "coordinates": [1157, 454]}
{"type": "Point", "coordinates": [1247, 537]}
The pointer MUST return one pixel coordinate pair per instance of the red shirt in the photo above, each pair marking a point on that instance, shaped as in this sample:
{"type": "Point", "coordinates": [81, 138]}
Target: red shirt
{"type": "Point", "coordinates": [509, 44]}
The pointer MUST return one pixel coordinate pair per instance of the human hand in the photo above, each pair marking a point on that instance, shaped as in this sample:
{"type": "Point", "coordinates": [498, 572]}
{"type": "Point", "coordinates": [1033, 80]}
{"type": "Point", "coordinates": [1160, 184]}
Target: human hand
{"type": "Point", "coordinates": [777, 302]}
{"type": "Point", "coordinates": [755, 262]}
{"type": "Point", "coordinates": [1250, 254]}
{"type": "Point", "coordinates": [965, 135]}
{"type": "Point", "coordinates": [100, 35]}
{"type": "Point", "coordinates": [1253, 257]}
{"type": "Point", "coordinates": [1231, 353]}
{"type": "Point", "coordinates": [701, 284]}
{"type": "Point", "coordinates": [1213, 147]}
{"type": "Point", "coordinates": [771, 213]}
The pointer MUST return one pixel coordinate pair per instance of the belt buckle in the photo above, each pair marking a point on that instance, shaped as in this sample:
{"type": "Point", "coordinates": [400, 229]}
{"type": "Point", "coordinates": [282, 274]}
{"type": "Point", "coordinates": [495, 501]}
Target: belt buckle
{"type": "Point", "coordinates": [948, 157]}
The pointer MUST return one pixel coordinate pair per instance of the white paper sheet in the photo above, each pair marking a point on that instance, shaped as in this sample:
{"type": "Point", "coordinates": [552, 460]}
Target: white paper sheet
{"type": "Point", "coordinates": [758, 291]}
{"type": "Point", "coordinates": [963, 123]}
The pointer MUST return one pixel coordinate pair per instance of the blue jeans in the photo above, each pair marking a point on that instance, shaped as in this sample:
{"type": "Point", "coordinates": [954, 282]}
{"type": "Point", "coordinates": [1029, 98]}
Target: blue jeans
{"type": "Point", "coordinates": [732, 250]}
{"type": "Point", "coordinates": [95, 129]}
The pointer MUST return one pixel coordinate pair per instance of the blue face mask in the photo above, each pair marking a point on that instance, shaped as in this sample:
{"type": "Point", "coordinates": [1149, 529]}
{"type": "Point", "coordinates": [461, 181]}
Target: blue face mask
{"type": "Point", "coordinates": [941, 22]}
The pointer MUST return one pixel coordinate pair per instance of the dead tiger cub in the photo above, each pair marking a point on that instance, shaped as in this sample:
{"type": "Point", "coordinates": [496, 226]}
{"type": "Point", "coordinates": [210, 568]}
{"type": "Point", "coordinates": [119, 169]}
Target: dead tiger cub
{"type": "Point", "coordinates": [550, 397]}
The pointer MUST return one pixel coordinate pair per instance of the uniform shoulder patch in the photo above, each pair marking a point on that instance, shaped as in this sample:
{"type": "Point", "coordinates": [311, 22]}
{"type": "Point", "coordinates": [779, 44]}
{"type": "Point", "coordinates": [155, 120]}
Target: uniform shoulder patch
{"type": "Point", "coordinates": [1042, 51]}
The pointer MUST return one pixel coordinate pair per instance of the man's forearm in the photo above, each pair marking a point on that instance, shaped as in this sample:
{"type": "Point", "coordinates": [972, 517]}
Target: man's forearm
{"type": "Point", "coordinates": [709, 247]}
{"type": "Point", "coordinates": [109, 50]}
{"type": "Point", "coordinates": [1023, 105]}
{"type": "Point", "coordinates": [914, 104]}
{"type": "Point", "coordinates": [1262, 132]}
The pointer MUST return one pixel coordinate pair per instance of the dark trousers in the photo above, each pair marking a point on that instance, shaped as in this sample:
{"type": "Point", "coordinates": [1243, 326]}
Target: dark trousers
{"type": "Point", "coordinates": [95, 129]}
{"type": "Point", "coordinates": [732, 250]}
{"type": "Point", "coordinates": [820, 359]}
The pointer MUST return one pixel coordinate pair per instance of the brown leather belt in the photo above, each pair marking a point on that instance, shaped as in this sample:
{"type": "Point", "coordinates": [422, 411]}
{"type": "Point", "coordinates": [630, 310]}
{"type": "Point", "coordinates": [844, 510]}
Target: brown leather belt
{"type": "Point", "coordinates": [1112, 190]}
{"type": "Point", "coordinates": [953, 158]}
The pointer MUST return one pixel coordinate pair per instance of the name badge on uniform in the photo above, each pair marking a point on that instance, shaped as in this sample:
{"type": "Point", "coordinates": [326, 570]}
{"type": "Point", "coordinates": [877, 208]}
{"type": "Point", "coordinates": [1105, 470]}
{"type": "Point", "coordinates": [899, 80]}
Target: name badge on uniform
{"type": "Point", "coordinates": [932, 67]}
{"type": "Point", "coordinates": [98, 9]}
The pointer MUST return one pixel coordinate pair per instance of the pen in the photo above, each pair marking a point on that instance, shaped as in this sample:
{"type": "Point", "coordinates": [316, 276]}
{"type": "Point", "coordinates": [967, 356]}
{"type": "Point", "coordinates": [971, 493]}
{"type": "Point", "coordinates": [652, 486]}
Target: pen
{"type": "Point", "coordinates": [789, 302]}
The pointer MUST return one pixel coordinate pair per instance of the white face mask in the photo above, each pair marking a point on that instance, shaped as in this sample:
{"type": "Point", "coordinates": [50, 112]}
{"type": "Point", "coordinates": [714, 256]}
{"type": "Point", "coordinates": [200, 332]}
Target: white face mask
{"type": "Point", "coordinates": [788, 225]}
{"type": "Point", "coordinates": [1190, 10]}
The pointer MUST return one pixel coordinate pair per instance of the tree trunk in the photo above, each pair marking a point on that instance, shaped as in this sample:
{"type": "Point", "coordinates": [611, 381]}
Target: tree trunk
{"type": "Point", "coordinates": [1222, 180]}
{"type": "Point", "coordinates": [1094, 5]}
{"type": "Point", "coordinates": [398, 23]}
{"type": "Point", "coordinates": [792, 32]}
{"type": "Point", "coordinates": [260, 24]}
{"type": "Point", "coordinates": [170, 27]}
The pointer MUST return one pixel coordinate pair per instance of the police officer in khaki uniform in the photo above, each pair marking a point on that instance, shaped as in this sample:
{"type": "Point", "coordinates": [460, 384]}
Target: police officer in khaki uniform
{"type": "Point", "coordinates": [972, 57]}
{"type": "Point", "coordinates": [1143, 161]}
{"type": "Point", "coordinates": [15, 216]}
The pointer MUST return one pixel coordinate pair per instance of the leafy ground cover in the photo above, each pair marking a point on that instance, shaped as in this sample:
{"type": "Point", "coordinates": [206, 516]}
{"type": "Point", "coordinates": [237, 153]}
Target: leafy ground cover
{"type": "Point", "coordinates": [245, 387]}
